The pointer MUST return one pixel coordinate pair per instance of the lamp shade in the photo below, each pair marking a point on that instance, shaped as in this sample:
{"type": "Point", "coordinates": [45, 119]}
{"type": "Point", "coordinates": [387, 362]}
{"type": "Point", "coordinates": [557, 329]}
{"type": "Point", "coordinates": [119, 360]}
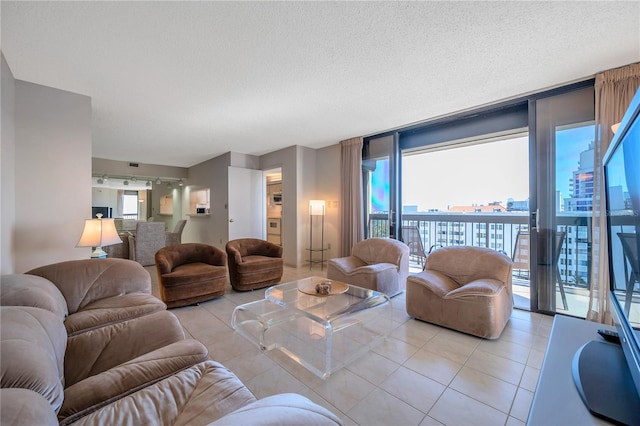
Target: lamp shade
{"type": "Point", "coordinates": [98, 233]}
{"type": "Point", "coordinates": [316, 207]}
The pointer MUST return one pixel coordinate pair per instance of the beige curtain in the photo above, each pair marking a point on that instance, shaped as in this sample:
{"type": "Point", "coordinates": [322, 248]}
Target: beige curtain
{"type": "Point", "coordinates": [614, 91]}
{"type": "Point", "coordinates": [351, 214]}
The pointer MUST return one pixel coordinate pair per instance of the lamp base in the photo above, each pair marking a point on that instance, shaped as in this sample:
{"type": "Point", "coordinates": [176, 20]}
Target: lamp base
{"type": "Point", "coordinates": [98, 253]}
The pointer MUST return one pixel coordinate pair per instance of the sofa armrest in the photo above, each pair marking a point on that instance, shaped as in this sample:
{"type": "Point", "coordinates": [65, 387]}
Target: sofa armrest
{"type": "Point", "coordinates": [283, 409]}
{"type": "Point", "coordinates": [85, 281]}
{"type": "Point", "coordinates": [25, 407]}
{"type": "Point", "coordinates": [104, 388]}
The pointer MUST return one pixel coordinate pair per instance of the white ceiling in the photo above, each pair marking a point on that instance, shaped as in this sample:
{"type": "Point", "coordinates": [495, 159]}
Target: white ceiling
{"type": "Point", "coordinates": [177, 83]}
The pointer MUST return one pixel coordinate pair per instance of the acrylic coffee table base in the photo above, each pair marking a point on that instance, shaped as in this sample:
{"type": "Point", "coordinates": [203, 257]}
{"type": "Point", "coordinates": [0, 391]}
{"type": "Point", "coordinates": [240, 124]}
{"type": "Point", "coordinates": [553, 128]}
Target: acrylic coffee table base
{"type": "Point", "coordinates": [322, 334]}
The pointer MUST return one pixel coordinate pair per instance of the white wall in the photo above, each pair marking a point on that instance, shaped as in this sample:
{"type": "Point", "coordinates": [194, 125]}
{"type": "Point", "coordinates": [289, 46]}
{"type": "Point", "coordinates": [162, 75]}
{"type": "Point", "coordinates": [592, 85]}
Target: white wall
{"type": "Point", "coordinates": [52, 175]}
{"type": "Point", "coordinates": [7, 174]}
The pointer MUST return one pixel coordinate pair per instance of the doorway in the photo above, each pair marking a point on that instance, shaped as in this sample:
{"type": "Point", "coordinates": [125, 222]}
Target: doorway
{"type": "Point", "coordinates": [274, 205]}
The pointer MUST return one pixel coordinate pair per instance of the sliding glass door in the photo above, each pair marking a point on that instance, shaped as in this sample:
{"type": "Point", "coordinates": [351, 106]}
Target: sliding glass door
{"type": "Point", "coordinates": [564, 186]}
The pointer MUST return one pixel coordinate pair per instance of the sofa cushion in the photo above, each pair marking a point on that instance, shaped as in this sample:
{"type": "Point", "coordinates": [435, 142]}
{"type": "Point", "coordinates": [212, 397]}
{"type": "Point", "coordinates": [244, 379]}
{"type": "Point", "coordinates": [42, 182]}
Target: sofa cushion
{"type": "Point", "coordinates": [32, 347]}
{"type": "Point", "coordinates": [199, 395]}
{"type": "Point", "coordinates": [111, 310]}
{"type": "Point", "coordinates": [103, 348]}
{"type": "Point", "coordinates": [31, 290]}
{"type": "Point", "coordinates": [97, 391]}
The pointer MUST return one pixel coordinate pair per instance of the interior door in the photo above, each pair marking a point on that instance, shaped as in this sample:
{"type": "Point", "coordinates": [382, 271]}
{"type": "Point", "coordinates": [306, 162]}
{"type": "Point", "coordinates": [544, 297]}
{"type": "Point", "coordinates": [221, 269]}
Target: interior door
{"type": "Point", "coordinates": [246, 203]}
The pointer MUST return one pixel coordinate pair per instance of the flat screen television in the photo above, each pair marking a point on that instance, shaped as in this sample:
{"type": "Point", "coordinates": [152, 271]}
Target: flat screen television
{"type": "Point", "coordinates": [608, 378]}
{"type": "Point", "coordinates": [105, 211]}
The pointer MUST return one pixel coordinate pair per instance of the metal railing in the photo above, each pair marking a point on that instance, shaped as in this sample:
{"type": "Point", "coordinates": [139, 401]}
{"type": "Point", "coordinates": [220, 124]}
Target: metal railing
{"type": "Point", "coordinates": [498, 231]}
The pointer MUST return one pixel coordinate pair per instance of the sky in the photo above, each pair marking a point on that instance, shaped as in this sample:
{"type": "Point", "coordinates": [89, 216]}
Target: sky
{"type": "Point", "coordinates": [479, 174]}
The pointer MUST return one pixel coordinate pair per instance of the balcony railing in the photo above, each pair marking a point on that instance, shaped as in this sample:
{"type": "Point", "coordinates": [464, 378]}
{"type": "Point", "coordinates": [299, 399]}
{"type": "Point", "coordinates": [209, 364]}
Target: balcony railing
{"type": "Point", "coordinates": [498, 231]}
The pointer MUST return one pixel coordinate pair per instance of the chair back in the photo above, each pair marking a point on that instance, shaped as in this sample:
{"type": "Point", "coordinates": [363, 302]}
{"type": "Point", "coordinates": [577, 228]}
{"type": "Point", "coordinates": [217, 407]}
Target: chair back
{"type": "Point", "coordinates": [411, 237]}
{"type": "Point", "coordinates": [180, 226]}
{"type": "Point", "coordinates": [520, 258]}
{"type": "Point", "coordinates": [630, 249]}
{"type": "Point", "coordinates": [384, 250]}
{"type": "Point", "coordinates": [150, 237]}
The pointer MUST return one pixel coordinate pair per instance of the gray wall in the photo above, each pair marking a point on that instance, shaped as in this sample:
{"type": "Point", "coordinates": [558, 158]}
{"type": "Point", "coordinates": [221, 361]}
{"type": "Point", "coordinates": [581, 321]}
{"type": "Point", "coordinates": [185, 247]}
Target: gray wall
{"type": "Point", "coordinates": [44, 207]}
{"type": "Point", "coordinates": [7, 175]}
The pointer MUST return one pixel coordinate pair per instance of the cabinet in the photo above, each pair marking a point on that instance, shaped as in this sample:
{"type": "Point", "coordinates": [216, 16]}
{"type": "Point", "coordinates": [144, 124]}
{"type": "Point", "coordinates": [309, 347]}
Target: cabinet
{"type": "Point", "coordinates": [556, 400]}
{"type": "Point", "coordinates": [199, 201]}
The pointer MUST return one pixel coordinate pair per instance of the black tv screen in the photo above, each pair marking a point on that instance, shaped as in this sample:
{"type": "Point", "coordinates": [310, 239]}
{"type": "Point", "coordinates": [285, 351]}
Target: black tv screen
{"type": "Point", "coordinates": [105, 211]}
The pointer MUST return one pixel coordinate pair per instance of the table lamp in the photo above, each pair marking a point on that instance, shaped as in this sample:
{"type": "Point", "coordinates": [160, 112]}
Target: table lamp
{"type": "Point", "coordinates": [98, 233]}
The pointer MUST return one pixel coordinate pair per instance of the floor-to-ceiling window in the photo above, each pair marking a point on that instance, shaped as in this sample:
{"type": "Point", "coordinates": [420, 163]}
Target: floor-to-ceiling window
{"type": "Point", "coordinates": [515, 178]}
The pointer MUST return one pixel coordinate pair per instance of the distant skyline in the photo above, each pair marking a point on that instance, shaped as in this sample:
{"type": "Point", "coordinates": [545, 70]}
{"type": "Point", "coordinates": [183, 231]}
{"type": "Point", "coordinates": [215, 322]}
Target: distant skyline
{"type": "Point", "coordinates": [569, 144]}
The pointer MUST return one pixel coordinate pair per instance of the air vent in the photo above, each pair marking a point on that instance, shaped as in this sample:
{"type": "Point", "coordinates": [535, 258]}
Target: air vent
{"type": "Point", "coordinates": [133, 164]}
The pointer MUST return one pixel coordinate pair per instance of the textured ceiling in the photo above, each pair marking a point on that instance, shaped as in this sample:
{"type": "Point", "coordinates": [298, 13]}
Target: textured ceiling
{"type": "Point", "coordinates": [177, 83]}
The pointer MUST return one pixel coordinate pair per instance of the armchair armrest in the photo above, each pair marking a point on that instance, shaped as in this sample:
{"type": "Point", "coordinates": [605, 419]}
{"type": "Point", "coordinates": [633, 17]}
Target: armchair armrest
{"type": "Point", "coordinates": [348, 264]}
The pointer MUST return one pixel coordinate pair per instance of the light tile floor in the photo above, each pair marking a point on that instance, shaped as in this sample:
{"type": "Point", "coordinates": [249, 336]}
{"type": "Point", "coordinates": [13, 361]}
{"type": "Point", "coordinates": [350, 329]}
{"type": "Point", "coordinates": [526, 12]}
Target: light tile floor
{"type": "Point", "coordinates": [421, 375]}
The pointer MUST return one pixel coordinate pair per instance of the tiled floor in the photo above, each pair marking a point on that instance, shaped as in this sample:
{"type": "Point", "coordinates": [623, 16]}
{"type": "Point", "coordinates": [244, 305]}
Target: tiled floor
{"type": "Point", "coordinates": [421, 375]}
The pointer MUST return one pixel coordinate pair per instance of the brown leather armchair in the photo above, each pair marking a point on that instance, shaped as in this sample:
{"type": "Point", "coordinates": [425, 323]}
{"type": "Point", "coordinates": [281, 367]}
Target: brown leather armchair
{"type": "Point", "coordinates": [190, 273]}
{"type": "Point", "coordinates": [463, 288]}
{"type": "Point", "coordinates": [254, 263]}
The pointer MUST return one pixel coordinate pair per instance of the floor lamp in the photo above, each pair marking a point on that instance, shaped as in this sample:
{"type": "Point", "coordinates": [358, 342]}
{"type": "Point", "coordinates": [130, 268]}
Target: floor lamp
{"type": "Point", "coordinates": [316, 208]}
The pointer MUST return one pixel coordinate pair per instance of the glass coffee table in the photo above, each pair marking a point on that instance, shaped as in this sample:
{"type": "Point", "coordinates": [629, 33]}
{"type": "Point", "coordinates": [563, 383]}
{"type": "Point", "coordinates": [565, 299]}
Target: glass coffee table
{"type": "Point", "coordinates": [321, 333]}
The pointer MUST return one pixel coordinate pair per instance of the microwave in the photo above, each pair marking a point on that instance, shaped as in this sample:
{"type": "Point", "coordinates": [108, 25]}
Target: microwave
{"type": "Point", "coordinates": [276, 198]}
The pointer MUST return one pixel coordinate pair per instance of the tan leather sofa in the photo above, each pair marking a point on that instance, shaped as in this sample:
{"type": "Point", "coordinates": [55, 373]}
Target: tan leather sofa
{"type": "Point", "coordinates": [254, 263]}
{"type": "Point", "coordinates": [191, 273]}
{"type": "Point", "coordinates": [380, 264]}
{"type": "Point", "coordinates": [130, 370]}
{"type": "Point", "coordinates": [463, 288]}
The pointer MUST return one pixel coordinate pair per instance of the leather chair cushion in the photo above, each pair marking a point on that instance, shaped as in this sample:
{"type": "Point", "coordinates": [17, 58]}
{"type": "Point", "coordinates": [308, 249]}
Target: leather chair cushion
{"type": "Point", "coordinates": [193, 272]}
{"type": "Point", "coordinates": [249, 264]}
